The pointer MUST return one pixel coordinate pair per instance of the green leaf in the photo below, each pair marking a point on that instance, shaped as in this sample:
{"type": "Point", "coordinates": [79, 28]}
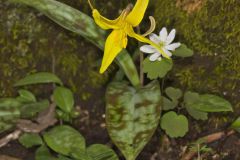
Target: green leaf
{"type": "Point", "coordinates": [236, 125]}
{"type": "Point", "coordinates": [64, 140]}
{"type": "Point", "coordinates": [30, 110]}
{"type": "Point", "coordinates": [168, 104]}
{"type": "Point", "coordinates": [37, 78]}
{"type": "Point", "coordinates": [63, 97]}
{"type": "Point", "coordinates": [183, 51]}
{"type": "Point", "coordinates": [196, 114]}
{"type": "Point", "coordinates": [10, 102]}
{"type": "Point", "coordinates": [212, 103]}
{"type": "Point", "coordinates": [43, 153]}
{"type": "Point", "coordinates": [9, 113]}
{"type": "Point", "coordinates": [173, 93]}
{"type": "Point", "coordinates": [189, 99]}
{"type": "Point", "coordinates": [61, 157]}
{"type": "Point", "coordinates": [101, 152]}
{"type": "Point", "coordinates": [30, 139]}
{"type": "Point", "coordinates": [80, 23]}
{"type": "Point", "coordinates": [26, 96]}
{"type": "Point", "coordinates": [132, 115]}
{"type": "Point", "coordinates": [174, 125]}
{"type": "Point", "coordinates": [157, 68]}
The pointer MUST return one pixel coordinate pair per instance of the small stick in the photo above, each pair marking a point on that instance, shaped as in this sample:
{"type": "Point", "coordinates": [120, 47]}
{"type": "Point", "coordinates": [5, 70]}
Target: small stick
{"type": "Point", "coordinates": [10, 137]}
{"type": "Point", "coordinates": [208, 139]}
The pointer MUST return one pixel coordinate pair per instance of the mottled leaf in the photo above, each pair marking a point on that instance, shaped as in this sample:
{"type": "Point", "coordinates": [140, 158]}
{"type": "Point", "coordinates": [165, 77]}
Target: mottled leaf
{"type": "Point", "coordinates": [236, 124]}
{"type": "Point", "coordinates": [173, 93]}
{"type": "Point", "coordinates": [9, 113]}
{"type": "Point", "coordinates": [63, 97]}
{"type": "Point", "coordinates": [212, 103]}
{"type": "Point", "coordinates": [168, 104]}
{"type": "Point", "coordinates": [64, 140]}
{"type": "Point", "coordinates": [26, 96]}
{"type": "Point", "coordinates": [183, 51]}
{"type": "Point", "coordinates": [30, 110]}
{"type": "Point", "coordinates": [40, 77]}
{"type": "Point", "coordinates": [80, 23]}
{"type": "Point", "coordinates": [132, 115]}
{"type": "Point", "coordinates": [174, 125]}
{"type": "Point", "coordinates": [30, 139]}
{"type": "Point", "coordinates": [43, 153]}
{"type": "Point", "coordinates": [157, 69]}
{"type": "Point", "coordinates": [101, 152]}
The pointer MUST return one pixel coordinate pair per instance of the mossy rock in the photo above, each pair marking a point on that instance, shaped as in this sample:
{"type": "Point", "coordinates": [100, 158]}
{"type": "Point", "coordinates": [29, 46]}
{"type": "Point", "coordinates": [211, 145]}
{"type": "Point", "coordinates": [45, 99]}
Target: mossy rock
{"type": "Point", "coordinates": [211, 29]}
{"type": "Point", "coordinates": [30, 42]}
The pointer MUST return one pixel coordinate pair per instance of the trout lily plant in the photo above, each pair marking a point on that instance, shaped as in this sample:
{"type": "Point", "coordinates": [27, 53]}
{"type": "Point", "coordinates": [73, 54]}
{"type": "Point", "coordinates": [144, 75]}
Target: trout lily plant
{"type": "Point", "coordinates": [133, 108]}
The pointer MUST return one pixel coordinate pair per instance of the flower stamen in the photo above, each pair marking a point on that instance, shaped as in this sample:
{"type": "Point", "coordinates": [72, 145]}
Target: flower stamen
{"type": "Point", "coordinates": [90, 4]}
{"type": "Point", "coordinates": [152, 26]}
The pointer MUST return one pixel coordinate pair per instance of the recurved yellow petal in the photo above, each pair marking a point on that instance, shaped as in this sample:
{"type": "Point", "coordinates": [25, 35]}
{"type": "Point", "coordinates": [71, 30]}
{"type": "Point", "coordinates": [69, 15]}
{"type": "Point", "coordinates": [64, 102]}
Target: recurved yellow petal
{"type": "Point", "coordinates": [136, 15]}
{"type": "Point", "coordinates": [115, 42]}
{"type": "Point", "coordinates": [140, 38]}
{"type": "Point", "coordinates": [105, 23]}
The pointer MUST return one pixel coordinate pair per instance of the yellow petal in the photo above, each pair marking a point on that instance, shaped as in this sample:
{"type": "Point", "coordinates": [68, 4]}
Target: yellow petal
{"type": "Point", "coordinates": [140, 38]}
{"type": "Point", "coordinates": [136, 15]}
{"type": "Point", "coordinates": [105, 23]}
{"type": "Point", "coordinates": [115, 42]}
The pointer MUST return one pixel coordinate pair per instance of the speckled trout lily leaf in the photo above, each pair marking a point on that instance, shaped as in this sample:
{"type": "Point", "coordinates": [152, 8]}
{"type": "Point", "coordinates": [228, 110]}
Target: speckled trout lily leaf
{"type": "Point", "coordinates": [132, 115]}
{"type": "Point", "coordinates": [80, 23]}
{"type": "Point", "coordinates": [9, 113]}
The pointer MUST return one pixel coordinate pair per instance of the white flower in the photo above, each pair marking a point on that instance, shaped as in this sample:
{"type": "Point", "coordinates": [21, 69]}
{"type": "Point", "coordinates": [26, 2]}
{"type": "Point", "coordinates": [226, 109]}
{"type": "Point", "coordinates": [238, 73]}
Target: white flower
{"type": "Point", "coordinates": [164, 40]}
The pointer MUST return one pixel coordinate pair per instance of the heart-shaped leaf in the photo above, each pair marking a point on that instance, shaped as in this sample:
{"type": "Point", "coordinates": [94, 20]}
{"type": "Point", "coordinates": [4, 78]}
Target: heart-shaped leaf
{"type": "Point", "coordinates": [29, 140]}
{"type": "Point", "coordinates": [37, 78]}
{"type": "Point", "coordinates": [132, 115]}
{"type": "Point", "coordinates": [64, 140]}
{"type": "Point", "coordinates": [157, 68]}
{"type": "Point", "coordinates": [168, 104]}
{"type": "Point", "coordinates": [183, 51]}
{"type": "Point", "coordinates": [174, 125]}
{"type": "Point", "coordinates": [63, 97]}
{"type": "Point", "coordinates": [173, 93]}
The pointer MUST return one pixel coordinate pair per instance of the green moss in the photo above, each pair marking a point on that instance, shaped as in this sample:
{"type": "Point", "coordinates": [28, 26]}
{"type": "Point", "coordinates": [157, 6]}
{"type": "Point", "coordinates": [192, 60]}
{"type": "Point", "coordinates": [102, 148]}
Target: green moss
{"type": "Point", "coordinates": [213, 32]}
{"type": "Point", "coordinates": [30, 42]}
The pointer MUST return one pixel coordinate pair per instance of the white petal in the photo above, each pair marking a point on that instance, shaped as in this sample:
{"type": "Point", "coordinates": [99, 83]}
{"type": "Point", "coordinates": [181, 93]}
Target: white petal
{"type": "Point", "coordinates": [147, 49]}
{"type": "Point", "coordinates": [154, 38]}
{"type": "Point", "coordinates": [159, 59]}
{"type": "Point", "coordinates": [163, 34]}
{"type": "Point", "coordinates": [154, 56]}
{"type": "Point", "coordinates": [167, 52]}
{"type": "Point", "coordinates": [173, 46]}
{"type": "Point", "coordinates": [171, 37]}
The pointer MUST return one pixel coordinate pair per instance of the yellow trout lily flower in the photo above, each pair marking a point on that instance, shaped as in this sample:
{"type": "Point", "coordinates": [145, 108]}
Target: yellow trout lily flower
{"type": "Point", "coordinates": [122, 27]}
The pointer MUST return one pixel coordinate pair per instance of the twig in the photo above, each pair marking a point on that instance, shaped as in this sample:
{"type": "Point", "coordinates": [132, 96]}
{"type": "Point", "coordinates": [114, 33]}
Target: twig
{"type": "Point", "coordinates": [44, 120]}
{"type": "Point", "coordinates": [208, 139]}
{"type": "Point", "coordinates": [10, 137]}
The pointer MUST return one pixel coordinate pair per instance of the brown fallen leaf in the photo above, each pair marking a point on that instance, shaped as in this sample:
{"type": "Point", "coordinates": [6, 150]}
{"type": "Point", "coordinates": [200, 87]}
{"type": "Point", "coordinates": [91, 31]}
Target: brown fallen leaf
{"type": "Point", "coordinates": [4, 157]}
